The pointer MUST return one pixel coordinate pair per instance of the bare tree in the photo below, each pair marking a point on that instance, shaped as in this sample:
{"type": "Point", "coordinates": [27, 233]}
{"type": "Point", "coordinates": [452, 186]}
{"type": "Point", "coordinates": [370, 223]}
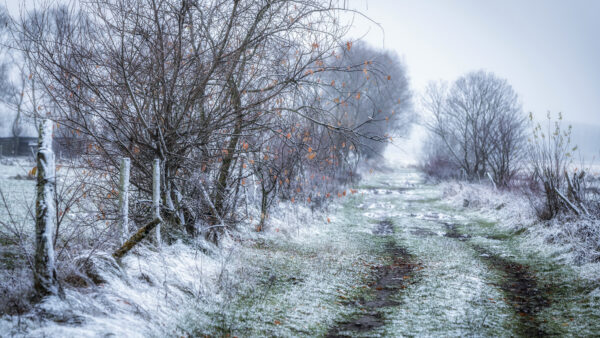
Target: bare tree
{"type": "Point", "coordinates": [201, 86]}
{"type": "Point", "coordinates": [375, 95]}
{"type": "Point", "coordinates": [480, 122]}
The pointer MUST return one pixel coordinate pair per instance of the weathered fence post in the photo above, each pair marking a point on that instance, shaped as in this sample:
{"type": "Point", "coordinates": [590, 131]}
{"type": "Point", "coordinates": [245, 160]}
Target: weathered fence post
{"type": "Point", "coordinates": [156, 195]}
{"type": "Point", "coordinates": [45, 281]}
{"type": "Point", "coordinates": [124, 198]}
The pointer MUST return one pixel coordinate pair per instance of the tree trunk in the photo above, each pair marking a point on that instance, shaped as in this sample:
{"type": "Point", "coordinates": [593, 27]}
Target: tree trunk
{"type": "Point", "coordinates": [221, 186]}
{"type": "Point", "coordinates": [264, 203]}
{"type": "Point", "coordinates": [45, 280]}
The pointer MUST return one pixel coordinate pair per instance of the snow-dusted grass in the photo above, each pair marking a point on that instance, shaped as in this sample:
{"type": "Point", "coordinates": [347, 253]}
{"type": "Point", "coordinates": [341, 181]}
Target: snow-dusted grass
{"type": "Point", "coordinates": [292, 281]}
{"type": "Point", "coordinates": [569, 239]}
{"type": "Point", "coordinates": [288, 280]}
{"type": "Point", "coordinates": [561, 253]}
{"type": "Point", "coordinates": [19, 194]}
{"type": "Point", "coordinates": [298, 277]}
{"type": "Point", "coordinates": [17, 190]}
{"type": "Point", "coordinates": [451, 294]}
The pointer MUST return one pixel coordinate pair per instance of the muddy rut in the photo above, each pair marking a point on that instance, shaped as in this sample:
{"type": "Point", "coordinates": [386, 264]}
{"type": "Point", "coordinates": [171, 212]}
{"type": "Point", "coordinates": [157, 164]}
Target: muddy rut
{"type": "Point", "coordinates": [522, 291]}
{"type": "Point", "coordinates": [389, 280]}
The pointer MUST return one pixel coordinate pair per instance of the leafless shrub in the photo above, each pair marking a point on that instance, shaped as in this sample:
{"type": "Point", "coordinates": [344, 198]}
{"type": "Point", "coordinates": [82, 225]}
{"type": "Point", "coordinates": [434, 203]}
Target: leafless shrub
{"type": "Point", "coordinates": [551, 156]}
{"type": "Point", "coordinates": [436, 162]}
{"type": "Point", "coordinates": [16, 262]}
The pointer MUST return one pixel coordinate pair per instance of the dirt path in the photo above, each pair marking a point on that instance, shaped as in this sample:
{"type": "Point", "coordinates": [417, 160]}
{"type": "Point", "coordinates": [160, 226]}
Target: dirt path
{"type": "Point", "coordinates": [389, 280]}
{"type": "Point", "coordinates": [398, 260]}
{"type": "Point", "coordinates": [522, 292]}
{"type": "Point", "coordinates": [518, 289]}
{"type": "Point", "coordinates": [518, 283]}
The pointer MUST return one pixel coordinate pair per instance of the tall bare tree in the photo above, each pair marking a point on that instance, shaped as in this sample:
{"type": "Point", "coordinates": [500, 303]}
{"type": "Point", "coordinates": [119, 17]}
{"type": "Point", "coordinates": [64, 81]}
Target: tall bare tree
{"type": "Point", "coordinates": [480, 122]}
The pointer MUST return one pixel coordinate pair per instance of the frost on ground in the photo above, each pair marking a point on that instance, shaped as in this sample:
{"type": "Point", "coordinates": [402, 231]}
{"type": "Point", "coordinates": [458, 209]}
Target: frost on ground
{"type": "Point", "coordinates": [300, 269]}
{"type": "Point", "coordinates": [292, 282]}
{"type": "Point", "coordinates": [575, 240]}
{"type": "Point", "coordinates": [310, 272]}
{"type": "Point", "coordinates": [563, 252]}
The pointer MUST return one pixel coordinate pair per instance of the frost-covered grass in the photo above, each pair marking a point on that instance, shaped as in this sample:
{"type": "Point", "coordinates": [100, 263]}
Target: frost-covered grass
{"type": "Point", "coordinates": [292, 282]}
{"type": "Point", "coordinates": [451, 294]}
{"type": "Point", "coordinates": [289, 280]}
{"type": "Point", "coordinates": [18, 195]}
{"type": "Point", "coordinates": [306, 272]}
{"type": "Point", "coordinates": [17, 190]}
{"type": "Point", "coordinates": [561, 259]}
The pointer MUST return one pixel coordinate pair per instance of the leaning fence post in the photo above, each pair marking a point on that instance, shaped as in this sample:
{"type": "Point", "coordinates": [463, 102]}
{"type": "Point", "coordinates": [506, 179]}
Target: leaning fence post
{"type": "Point", "coordinates": [156, 195]}
{"type": "Point", "coordinates": [124, 198]}
{"type": "Point", "coordinates": [44, 277]}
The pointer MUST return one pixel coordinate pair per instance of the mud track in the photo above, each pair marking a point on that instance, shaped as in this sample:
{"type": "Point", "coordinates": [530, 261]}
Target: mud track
{"type": "Point", "coordinates": [389, 280]}
{"type": "Point", "coordinates": [522, 292]}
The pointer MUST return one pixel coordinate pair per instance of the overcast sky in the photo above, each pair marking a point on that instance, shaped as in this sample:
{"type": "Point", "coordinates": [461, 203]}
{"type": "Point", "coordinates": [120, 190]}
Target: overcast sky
{"type": "Point", "coordinates": [548, 50]}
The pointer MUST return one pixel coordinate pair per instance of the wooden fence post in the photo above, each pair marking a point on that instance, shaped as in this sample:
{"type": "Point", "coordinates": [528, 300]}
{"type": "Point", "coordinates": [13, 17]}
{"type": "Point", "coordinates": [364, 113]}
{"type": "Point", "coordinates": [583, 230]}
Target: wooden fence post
{"type": "Point", "coordinates": [124, 198]}
{"type": "Point", "coordinates": [156, 196]}
{"type": "Point", "coordinates": [45, 281]}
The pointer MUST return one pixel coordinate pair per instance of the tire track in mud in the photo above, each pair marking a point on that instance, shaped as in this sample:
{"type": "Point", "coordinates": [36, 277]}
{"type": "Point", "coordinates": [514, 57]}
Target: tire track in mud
{"type": "Point", "coordinates": [522, 291]}
{"type": "Point", "coordinates": [519, 284]}
{"type": "Point", "coordinates": [389, 280]}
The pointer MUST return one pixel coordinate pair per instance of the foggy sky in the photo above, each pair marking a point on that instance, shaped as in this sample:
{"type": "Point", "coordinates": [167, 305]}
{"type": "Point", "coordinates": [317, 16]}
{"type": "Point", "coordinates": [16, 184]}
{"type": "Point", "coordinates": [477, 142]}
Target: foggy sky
{"type": "Point", "coordinates": [548, 50]}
